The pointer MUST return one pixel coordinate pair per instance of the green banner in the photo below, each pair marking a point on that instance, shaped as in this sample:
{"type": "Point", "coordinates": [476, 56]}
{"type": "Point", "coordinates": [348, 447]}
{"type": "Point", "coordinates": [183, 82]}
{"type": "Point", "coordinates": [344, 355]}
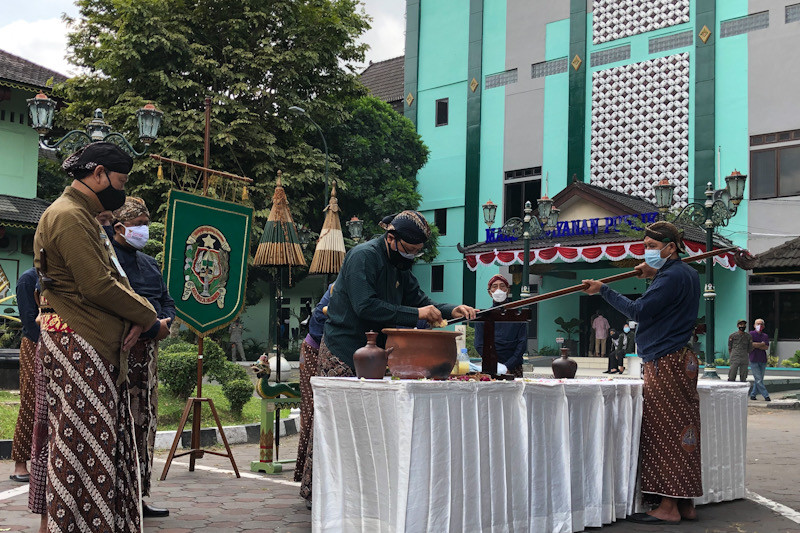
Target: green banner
{"type": "Point", "coordinates": [206, 245]}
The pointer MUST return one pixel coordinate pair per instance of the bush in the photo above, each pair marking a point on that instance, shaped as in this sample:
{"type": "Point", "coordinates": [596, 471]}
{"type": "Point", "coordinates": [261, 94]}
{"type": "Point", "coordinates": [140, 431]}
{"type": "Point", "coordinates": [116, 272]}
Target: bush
{"type": "Point", "coordinates": [548, 351]}
{"type": "Point", "coordinates": [214, 360]}
{"type": "Point", "coordinates": [230, 372]}
{"type": "Point", "coordinates": [470, 340]}
{"type": "Point", "coordinates": [175, 345]}
{"type": "Point", "coordinates": [719, 361]}
{"type": "Point", "coordinates": [253, 349]}
{"type": "Point", "coordinates": [772, 361]}
{"type": "Point", "coordinates": [178, 372]}
{"type": "Point", "coordinates": [238, 392]}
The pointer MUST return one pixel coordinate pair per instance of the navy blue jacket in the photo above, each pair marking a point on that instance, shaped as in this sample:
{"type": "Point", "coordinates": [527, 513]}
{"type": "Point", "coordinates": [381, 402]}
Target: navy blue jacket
{"type": "Point", "coordinates": [666, 313]}
{"type": "Point", "coordinates": [145, 278]}
{"type": "Point", "coordinates": [316, 324]}
{"type": "Point", "coordinates": [28, 310]}
{"type": "Point", "coordinates": [510, 339]}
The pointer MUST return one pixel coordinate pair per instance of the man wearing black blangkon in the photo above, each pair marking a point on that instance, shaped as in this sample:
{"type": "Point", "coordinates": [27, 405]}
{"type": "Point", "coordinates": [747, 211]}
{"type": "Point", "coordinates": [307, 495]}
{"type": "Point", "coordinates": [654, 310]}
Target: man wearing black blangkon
{"type": "Point", "coordinates": [376, 289]}
{"type": "Point", "coordinates": [666, 313]}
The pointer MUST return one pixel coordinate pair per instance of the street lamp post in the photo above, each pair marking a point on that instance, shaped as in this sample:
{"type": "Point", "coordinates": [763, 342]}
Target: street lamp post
{"type": "Point", "coordinates": [516, 228]}
{"type": "Point", "coordinates": [717, 210]}
{"type": "Point", "coordinates": [300, 111]}
{"type": "Point", "coordinates": [42, 109]}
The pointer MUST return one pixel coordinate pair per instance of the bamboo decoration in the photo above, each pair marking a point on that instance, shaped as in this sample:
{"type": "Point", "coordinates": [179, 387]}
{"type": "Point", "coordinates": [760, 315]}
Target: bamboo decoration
{"type": "Point", "coordinates": [280, 244]}
{"type": "Point", "coordinates": [329, 254]}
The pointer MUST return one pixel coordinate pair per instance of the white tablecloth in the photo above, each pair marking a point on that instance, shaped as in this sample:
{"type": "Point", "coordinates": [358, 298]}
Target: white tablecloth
{"type": "Point", "coordinates": [552, 456]}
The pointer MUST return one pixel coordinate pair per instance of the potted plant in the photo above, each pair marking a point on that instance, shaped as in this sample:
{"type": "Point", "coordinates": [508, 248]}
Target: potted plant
{"type": "Point", "coordinates": [569, 328]}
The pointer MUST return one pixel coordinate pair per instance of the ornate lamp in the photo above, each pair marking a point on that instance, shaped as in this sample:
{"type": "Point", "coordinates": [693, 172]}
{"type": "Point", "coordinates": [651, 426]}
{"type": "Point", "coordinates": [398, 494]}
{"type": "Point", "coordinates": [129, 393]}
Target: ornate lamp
{"type": "Point", "coordinates": [489, 211]}
{"type": "Point", "coordinates": [545, 208]}
{"type": "Point", "coordinates": [97, 127]}
{"type": "Point", "coordinates": [664, 191]}
{"type": "Point", "coordinates": [736, 182]}
{"type": "Point", "coordinates": [149, 119]}
{"type": "Point", "coordinates": [355, 227]}
{"type": "Point", "coordinates": [552, 219]}
{"type": "Point", "coordinates": [41, 109]}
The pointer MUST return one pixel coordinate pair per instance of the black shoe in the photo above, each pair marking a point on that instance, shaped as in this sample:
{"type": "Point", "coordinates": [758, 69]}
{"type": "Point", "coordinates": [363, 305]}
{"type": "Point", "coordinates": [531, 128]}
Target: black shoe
{"type": "Point", "coordinates": [608, 372]}
{"type": "Point", "coordinates": [20, 478]}
{"type": "Point", "coordinates": [644, 518]}
{"type": "Point", "coordinates": [767, 399]}
{"type": "Point", "coordinates": [154, 512]}
{"type": "Point", "coordinates": [753, 398]}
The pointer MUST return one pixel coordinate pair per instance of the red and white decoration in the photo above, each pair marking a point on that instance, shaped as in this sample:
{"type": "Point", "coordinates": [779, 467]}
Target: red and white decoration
{"type": "Point", "coordinates": [587, 254]}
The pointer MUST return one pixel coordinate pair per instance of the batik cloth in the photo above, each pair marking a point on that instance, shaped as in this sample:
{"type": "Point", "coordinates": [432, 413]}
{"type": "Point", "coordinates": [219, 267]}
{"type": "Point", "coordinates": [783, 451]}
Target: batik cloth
{"type": "Point", "coordinates": [23, 432]}
{"type": "Point", "coordinates": [308, 368]}
{"type": "Point", "coordinates": [92, 464]}
{"type": "Point", "coordinates": [142, 382]}
{"type": "Point", "coordinates": [331, 366]}
{"type": "Point", "coordinates": [670, 443]}
{"type": "Point", "coordinates": [38, 469]}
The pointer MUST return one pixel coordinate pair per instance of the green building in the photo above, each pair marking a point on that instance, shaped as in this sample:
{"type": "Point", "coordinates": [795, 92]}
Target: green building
{"type": "Point", "coordinates": [20, 209]}
{"type": "Point", "coordinates": [592, 102]}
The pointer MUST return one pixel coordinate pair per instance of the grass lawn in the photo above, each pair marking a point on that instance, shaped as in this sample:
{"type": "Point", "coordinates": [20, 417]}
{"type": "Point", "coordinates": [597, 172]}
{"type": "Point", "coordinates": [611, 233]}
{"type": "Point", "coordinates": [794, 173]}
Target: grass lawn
{"type": "Point", "coordinates": [170, 410]}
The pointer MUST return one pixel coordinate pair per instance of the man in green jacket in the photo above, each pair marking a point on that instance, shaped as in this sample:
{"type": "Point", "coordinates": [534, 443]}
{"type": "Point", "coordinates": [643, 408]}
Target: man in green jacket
{"type": "Point", "coordinates": [375, 290]}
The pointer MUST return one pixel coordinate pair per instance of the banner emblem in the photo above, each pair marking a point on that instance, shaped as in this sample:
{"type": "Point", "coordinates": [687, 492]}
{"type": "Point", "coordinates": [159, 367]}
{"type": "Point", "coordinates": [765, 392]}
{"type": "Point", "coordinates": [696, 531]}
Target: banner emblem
{"type": "Point", "coordinates": [206, 267]}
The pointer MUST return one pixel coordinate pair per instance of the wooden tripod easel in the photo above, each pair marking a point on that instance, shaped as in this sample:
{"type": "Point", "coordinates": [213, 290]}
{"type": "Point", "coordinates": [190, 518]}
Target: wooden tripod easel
{"type": "Point", "coordinates": [195, 404]}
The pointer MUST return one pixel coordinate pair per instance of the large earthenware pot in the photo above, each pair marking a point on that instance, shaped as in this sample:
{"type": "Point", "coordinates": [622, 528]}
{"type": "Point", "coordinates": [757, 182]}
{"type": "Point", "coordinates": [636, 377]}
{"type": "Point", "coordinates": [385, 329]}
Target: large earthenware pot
{"type": "Point", "coordinates": [421, 353]}
{"type": "Point", "coordinates": [564, 367]}
{"type": "Point", "coordinates": [370, 360]}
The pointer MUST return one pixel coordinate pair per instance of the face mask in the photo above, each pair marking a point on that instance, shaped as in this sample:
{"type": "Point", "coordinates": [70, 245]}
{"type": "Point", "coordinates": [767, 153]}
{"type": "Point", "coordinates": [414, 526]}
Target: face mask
{"type": "Point", "coordinates": [741, 328]}
{"type": "Point", "coordinates": [499, 296]}
{"type": "Point", "coordinates": [653, 258]}
{"type": "Point", "coordinates": [137, 236]}
{"type": "Point", "coordinates": [110, 198]}
{"type": "Point", "coordinates": [398, 260]}
{"type": "Point", "coordinates": [626, 329]}
{"type": "Point", "coordinates": [759, 327]}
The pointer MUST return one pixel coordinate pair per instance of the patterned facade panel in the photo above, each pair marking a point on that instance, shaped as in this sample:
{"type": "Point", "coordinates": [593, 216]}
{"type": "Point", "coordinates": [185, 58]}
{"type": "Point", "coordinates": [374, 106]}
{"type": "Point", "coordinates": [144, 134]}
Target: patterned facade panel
{"type": "Point", "coordinates": [669, 42]}
{"type": "Point", "coordinates": [616, 19]}
{"type": "Point", "coordinates": [640, 127]}
{"type": "Point", "coordinates": [756, 21]}
{"type": "Point", "coordinates": [611, 55]}
{"type": "Point", "coordinates": [546, 68]}
{"type": "Point", "coordinates": [501, 79]}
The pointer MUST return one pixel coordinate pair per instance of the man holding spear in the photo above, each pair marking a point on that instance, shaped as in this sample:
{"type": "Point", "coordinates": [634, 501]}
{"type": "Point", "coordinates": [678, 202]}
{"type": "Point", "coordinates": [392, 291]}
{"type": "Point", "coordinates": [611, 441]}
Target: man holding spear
{"type": "Point", "coordinates": [666, 313]}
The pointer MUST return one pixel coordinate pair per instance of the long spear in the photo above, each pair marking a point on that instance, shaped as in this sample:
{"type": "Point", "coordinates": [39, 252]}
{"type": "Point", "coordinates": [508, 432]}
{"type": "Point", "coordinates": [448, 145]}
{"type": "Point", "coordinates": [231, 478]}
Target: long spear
{"type": "Point", "coordinates": [740, 257]}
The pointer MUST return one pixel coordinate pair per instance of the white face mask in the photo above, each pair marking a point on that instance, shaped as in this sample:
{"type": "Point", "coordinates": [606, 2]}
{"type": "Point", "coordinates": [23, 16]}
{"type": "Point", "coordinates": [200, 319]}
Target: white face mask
{"type": "Point", "coordinates": [137, 236]}
{"type": "Point", "coordinates": [499, 296]}
{"type": "Point", "coordinates": [759, 327]}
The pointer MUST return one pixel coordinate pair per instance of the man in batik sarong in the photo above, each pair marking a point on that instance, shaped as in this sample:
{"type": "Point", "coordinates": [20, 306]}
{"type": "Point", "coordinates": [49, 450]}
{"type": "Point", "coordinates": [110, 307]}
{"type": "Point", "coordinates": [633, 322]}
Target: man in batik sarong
{"type": "Point", "coordinates": [23, 432]}
{"type": "Point", "coordinates": [666, 312]}
{"type": "Point", "coordinates": [131, 232]}
{"type": "Point", "coordinates": [376, 289]}
{"type": "Point", "coordinates": [90, 319]}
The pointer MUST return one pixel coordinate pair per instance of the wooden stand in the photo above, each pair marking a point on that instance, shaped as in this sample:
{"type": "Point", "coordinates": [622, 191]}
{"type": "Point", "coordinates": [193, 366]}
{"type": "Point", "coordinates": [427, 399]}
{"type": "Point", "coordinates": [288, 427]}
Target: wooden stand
{"type": "Point", "coordinates": [270, 414]}
{"type": "Point", "coordinates": [489, 353]}
{"type": "Point", "coordinates": [195, 405]}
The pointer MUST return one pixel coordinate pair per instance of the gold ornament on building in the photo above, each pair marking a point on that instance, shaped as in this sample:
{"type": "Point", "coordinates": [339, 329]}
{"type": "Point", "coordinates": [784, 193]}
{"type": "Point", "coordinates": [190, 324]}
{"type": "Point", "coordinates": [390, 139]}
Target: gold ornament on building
{"type": "Point", "coordinates": [576, 62]}
{"type": "Point", "coordinates": [409, 99]}
{"type": "Point", "coordinates": [473, 85]}
{"type": "Point", "coordinates": [704, 34]}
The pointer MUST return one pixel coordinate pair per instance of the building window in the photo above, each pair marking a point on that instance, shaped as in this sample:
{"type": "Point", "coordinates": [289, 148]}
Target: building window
{"type": "Point", "coordinates": [521, 186]}
{"type": "Point", "coordinates": [775, 172]}
{"type": "Point", "coordinates": [548, 68]}
{"type": "Point", "coordinates": [779, 137]}
{"type": "Point", "coordinates": [738, 26]}
{"type": "Point", "coordinates": [779, 309]}
{"type": "Point", "coordinates": [670, 42]}
{"type": "Point", "coordinates": [610, 55]}
{"type": "Point", "coordinates": [440, 220]}
{"type": "Point", "coordinates": [500, 79]}
{"type": "Point", "coordinates": [441, 112]}
{"type": "Point", "coordinates": [792, 13]}
{"type": "Point", "coordinates": [437, 278]}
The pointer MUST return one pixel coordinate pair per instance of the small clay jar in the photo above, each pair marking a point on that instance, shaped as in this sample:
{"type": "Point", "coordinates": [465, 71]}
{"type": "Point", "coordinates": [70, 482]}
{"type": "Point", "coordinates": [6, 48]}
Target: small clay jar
{"type": "Point", "coordinates": [371, 360]}
{"type": "Point", "coordinates": [564, 367]}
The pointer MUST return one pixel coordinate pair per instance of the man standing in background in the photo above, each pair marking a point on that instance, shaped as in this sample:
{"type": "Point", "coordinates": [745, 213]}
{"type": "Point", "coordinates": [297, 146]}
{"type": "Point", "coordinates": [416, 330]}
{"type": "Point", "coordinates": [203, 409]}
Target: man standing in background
{"type": "Point", "coordinates": [740, 344]}
{"type": "Point", "coordinates": [758, 360]}
{"type": "Point", "coordinates": [601, 327]}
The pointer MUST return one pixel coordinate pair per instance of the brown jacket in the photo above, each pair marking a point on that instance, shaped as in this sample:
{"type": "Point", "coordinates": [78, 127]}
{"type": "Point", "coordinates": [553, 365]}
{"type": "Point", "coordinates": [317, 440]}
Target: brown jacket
{"type": "Point", "coordinates": [88, 291]}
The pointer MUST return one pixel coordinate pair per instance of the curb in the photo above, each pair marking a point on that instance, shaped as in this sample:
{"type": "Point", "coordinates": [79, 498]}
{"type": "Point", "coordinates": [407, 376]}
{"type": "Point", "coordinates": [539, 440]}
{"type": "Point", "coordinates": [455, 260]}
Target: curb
{"type": "Point", "coordinates": [246, 434]}
{"type": "Point", "coordinates": [774, 404]}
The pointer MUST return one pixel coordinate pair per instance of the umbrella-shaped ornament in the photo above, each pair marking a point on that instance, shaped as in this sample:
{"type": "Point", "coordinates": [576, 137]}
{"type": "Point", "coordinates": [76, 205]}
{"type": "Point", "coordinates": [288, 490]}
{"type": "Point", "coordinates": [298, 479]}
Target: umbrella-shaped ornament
{"type": "Point", "coordinates": [279, 244]}
{"type": "Point", "coordinates": [329, 253]}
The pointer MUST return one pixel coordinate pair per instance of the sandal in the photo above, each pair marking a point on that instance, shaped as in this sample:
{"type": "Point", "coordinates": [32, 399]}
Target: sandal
{"type": "Point", "coordinates": [612, 372]}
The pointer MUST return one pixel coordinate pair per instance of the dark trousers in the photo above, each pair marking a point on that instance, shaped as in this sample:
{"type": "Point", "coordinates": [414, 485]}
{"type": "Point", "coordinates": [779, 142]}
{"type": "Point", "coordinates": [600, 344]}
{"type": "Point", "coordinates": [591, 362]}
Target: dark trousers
{"type": "Point", "coordinates": [616, 359]}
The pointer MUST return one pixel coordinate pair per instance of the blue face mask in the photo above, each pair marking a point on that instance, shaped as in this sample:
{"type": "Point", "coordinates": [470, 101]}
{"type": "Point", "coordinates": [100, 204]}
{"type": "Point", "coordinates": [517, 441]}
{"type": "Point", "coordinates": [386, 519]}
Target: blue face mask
{"type": "Point", "coordinates": [653, 258]}
{"type": "Point", "coordinates": [626, 329]}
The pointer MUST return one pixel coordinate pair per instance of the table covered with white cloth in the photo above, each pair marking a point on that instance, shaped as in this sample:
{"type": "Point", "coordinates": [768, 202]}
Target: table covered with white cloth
{"type": "Point", "coordinates": [533, 455]}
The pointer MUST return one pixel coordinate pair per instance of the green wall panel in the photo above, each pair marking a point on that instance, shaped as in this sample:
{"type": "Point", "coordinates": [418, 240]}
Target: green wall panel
{"type": "Point", "coordinates": [576, 144]}
{"type": "Point", "coordinates": [411, 61]}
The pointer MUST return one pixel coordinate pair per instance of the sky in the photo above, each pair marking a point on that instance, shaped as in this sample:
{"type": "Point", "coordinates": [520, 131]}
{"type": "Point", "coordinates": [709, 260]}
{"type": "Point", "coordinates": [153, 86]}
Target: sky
{"type": "Point", "coordinates": [34, 30]}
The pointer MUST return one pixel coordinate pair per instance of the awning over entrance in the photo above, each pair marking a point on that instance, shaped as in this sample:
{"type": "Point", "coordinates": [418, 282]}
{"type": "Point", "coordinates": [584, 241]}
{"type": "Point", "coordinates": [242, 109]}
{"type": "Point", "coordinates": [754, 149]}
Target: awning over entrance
{"type": "Point", "coordinates": [589, 254]}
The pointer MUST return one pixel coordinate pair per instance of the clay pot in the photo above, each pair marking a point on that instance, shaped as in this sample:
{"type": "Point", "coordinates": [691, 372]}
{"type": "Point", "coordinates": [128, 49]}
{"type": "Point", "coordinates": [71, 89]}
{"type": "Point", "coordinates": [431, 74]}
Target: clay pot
{"type": "Point", "coordinates": [421, 353]}
{"type": "Point", "coordinates": [564, 367]}
{"type": "Point", "coordinates": [370, 360]}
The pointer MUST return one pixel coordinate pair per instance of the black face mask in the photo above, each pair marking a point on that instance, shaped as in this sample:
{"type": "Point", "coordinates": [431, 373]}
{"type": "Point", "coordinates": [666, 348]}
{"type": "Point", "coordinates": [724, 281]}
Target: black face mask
{"type": "Point", "coordinates": [110, 198]}
{"type": "Point", "coordinates": [742, 328]}
{"type": "Point", "coordinates": [398, 261]}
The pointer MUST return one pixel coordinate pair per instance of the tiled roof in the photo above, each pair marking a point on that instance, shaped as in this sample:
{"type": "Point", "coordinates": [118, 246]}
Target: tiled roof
{"type": "Point", "coordinates": [16, 69]}
{"type": "Point", "coordinates": [384, 79]}
{"type": "Point", "coordinates": [636, 204]}
{"type": "Point", "coordinates": [21, 210]}
{"type": "Point", "coordinates": [781, 256]}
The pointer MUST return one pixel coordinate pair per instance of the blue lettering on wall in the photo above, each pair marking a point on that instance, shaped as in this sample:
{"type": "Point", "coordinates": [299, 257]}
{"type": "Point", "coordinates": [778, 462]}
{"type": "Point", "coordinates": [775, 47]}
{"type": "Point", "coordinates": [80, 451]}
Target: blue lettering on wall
{"type": "Point", "coordinates": [587, 226]}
